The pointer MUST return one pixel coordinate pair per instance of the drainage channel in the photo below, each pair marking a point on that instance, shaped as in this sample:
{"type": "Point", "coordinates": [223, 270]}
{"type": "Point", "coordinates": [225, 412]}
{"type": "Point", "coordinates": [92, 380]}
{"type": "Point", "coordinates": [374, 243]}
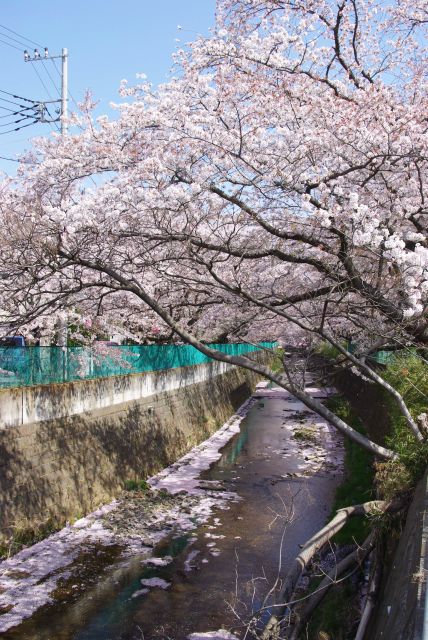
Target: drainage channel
{"type": "Point", "coordinates": [275, 480]}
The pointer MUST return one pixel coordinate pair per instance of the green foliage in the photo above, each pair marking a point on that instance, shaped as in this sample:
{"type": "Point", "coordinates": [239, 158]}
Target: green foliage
{"type": "Point", "coordinates": [136, 485]}
{"type": "Point", "coordinates": [392, 479]}
{"type": "Point", "coordinates": [335, 618]}
{"type": "Point", "coordinates": [357, 486]}
{"type": "Point", "coordinates": [408, 373]}
{"type": "Point", "coordinates": [78, 335]}
{"type": "Point", "coordinates": [327, 350]}
{"type": "Point", "coordinates": [277, 365]}
{"type": "Point", "coordinates": [131, 485]}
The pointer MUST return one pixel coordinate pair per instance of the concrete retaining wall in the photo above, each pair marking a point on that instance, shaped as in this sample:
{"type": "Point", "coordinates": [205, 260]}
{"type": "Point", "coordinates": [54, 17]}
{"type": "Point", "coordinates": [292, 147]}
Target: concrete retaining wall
{"type": "Point", "coordinates": [400, 611]}
{"type": "Point", "coordinates": [400, 608]}
{"type": "Point", "coordinates": [64, 449]}
{"type": "Point", "coordinates": [368, 401]}
{"type": "Point", "coordinates": [26, 405]}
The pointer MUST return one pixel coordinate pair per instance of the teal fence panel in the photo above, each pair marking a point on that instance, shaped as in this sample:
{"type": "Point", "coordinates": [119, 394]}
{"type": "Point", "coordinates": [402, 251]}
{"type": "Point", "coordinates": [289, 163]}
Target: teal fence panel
{"type": "Point", "coordinates": [26, 366]}
{"type": "Point", "coordinates": [381, 357]}
{"type": "Point", "coordinates": [384, 357]}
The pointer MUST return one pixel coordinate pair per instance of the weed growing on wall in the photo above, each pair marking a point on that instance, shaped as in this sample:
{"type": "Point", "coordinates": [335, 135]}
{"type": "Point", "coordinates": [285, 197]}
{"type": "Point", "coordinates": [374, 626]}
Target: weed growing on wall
{"type": "Point", "coordinates": [24, 535]}
{"type": "Point", "coordinates": [136, 485]}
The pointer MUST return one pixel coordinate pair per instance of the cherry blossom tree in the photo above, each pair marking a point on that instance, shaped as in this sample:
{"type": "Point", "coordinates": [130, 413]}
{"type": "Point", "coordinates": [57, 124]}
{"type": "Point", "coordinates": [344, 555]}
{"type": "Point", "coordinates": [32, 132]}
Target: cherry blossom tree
{"type": "Point", "coordinates": [274, 188]}
{"type": "Point", "coordinates": [275, 185]}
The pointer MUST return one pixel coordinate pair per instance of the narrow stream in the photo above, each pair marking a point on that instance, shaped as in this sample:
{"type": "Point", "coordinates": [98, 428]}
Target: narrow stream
{"type": "Point", "coordinates": [216, 575]}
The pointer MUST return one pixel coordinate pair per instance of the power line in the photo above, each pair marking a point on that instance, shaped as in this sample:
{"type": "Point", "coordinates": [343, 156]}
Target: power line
{"type": "Point", "coordinates": [41, 80]}
{"type": "Point", "coordinates": [10, 159]}
{"type": "Point", "coordinates": [15, 96]}
{"type": "Point", "coordinates": [50, 77]}
{"type": "Point", "coordinates": [64, 80]}
{"type": "Point", "coordinates": [4, 35]}
{"type": "Point", "coordinates": [21, 106]}
{"type": "Point", "coordinates": [53, 124]}
{"type": "Point", "coordinates": [34, 112]}
{"type": "Point", "coordinates": [15, 113]}
{"type": "Point", "coordinates": [8, 124]}
{"type": "Point", "coordinates": [40, 105]}
{"type": "Point", "coordinates": [39, 116]}
{"type": "Point", "coordinates": [69, 93]}
{"type": "Point", "coordinates": [6, 109]}
{"type": "Point", "coordinates": [11, 45]}
{"type": "Point", "coordinates": [30, 124]}
{"type": "Point", "coordinates": [20, 36]}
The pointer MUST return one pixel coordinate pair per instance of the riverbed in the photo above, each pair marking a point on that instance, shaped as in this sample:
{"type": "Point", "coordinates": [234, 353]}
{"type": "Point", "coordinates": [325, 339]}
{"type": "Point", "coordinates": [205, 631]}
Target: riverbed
{"type": "Point", "coordinates": [204, 551]}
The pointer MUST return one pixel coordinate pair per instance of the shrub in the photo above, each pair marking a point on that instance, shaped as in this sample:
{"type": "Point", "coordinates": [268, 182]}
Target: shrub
{"type": "Point", "coordinates": [408, 373]}
{"type": "Point", "coordinates": [136, 485]}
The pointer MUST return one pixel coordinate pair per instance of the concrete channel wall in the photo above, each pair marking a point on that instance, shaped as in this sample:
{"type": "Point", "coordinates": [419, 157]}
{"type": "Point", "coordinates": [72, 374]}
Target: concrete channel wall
{"type": "Point", "coordinates": [401, 611]}
{"type": "Point", "coordinates": [25, 405]}
{"type": "Point", "coordinates": [66, 448]}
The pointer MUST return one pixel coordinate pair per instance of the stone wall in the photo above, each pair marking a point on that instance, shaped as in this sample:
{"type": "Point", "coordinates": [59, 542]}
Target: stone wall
{"type": "Point", "coordinates": [108, 431]}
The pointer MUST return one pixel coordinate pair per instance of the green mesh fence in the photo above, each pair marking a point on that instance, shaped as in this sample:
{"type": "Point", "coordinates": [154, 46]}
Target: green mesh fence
{"type": "Point", "coordinates": [384, 357]}
{"type": "Point", "coordinates": [25, 366]}
{"type": "Point", "coordinates": [381, 357]}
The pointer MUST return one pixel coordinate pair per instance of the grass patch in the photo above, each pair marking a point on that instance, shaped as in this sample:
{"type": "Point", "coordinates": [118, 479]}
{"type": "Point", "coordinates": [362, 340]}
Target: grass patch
{"type": "Point", "coordinates": [357, 486]}
{"type": "Point", "coordinates": [409, 375]}
{"type": "Point", "coordinates": [24, 535]}
{"type": "Point", "coordinates": [136, 485]}
{"type": "Point", "coordinates": [335, 618]}
{"type": "Point", "coordinates": [308, 434]}
{"type": "Point", "coordinates": [392, 479]}
{"type": "Point", "coordinates": [327, 350]}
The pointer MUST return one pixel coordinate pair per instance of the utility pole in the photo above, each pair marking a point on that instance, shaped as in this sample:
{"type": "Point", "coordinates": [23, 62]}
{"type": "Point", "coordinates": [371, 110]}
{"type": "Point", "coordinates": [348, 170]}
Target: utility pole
{"type": "Point", "coordinates": [64, 91]}
{"type": "Point", "coordinates": [36, 57]}
{"type": "Point", "coordinates": [62, 323]}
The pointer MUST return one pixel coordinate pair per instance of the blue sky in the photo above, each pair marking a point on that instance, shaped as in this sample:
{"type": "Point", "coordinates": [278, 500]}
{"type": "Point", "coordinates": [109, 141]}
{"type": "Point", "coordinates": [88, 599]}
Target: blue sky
{"type": "Point", "coordinates": [107, 40]}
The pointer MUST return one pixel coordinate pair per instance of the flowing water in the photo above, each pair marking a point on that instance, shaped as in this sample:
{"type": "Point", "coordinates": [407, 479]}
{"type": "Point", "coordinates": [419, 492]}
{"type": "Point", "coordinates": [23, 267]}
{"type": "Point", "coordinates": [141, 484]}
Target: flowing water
{"type": "Point", "coordinates": [220, 571]}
